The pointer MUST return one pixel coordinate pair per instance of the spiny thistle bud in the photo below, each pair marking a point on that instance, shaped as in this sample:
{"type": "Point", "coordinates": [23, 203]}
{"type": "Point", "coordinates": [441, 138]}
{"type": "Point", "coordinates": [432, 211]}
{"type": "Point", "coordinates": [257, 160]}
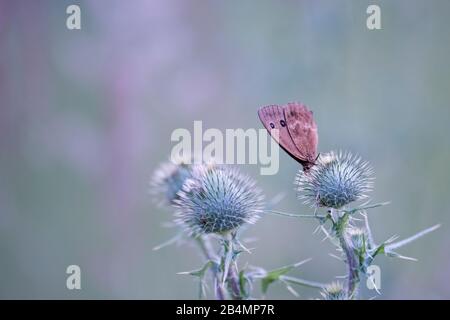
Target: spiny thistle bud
{"type": "Point", "coordinates": [335, 180]}
{"type": "Point", "coordinates": [168, 179]}
{"type": "Point", "coordinates": [217, 199]}
{"type": "Point", "coordinates": [334, 291]}
{"type": "Point", "coordinates": [356, 237]}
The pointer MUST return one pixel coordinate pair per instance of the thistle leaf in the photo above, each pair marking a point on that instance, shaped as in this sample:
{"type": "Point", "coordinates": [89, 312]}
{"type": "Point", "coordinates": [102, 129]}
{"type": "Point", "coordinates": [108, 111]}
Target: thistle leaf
{"type": "Point", "coordinates": [365, 207]}
{"type": "Point", "coordinates": [274, 275]}
{"type": "Point", "coordinates": [243, 280]}
{"type": "Point", "coordinates": [199, 272]}
{"type": "Point", "coordinates": [378, 250]}
{"type": "Point", "coordinates": [169, 242]}
{"type": "Point", "coordinates": [397, 255]}
{"type": "Point", "coordinates": [404, 242]}
{"type": "Point", "coordinates": [303, 282]}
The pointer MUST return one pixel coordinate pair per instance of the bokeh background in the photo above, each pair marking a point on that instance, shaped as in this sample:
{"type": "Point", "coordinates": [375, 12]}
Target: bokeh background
{"type": "Point", "coordinates": [86, 116]}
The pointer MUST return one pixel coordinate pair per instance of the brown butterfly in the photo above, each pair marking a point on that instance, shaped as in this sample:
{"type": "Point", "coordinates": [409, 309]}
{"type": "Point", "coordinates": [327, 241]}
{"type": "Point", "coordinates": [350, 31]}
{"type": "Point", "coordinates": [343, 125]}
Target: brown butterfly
{"type": "Point", "coordinates": [297, 130]}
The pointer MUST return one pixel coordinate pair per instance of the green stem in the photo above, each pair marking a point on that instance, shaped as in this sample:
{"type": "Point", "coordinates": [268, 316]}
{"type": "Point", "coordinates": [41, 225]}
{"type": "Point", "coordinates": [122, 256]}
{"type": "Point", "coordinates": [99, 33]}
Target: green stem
{"type": "Point", "coordinates": [232, 276]}
{"type": "Point", "coordinates": [234, 283]}
{"type": "Point", "coordinates": [351, 259]}
{"type": "Point", "coordinates": [208, 252]}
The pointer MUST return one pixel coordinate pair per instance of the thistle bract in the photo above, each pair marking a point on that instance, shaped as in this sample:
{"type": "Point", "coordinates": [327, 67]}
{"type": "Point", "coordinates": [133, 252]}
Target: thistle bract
{"type": "Point", "coordinates": [217, 199]}
{"type": "Point", "coordinates": [168, 179]}
{"type": "Point", "coordinates": [335, 180]}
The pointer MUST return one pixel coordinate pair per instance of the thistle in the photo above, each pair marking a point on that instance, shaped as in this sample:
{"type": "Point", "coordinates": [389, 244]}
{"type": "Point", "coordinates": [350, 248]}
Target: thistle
{"type": "Point", "coordinates": [211, 200]}
{"type": "Point", "coordinates": [334, 291]}
{"type": "Point", "coordinates": [167, 181]}
{"type": "Point", "coordinates": [335, 181]}
{"type": "Point", "coordinates": [356, 237]}
{"type": "Point", "coordinates": [214, 202]}
{"type": "Point", "coordinates": [217, 199]}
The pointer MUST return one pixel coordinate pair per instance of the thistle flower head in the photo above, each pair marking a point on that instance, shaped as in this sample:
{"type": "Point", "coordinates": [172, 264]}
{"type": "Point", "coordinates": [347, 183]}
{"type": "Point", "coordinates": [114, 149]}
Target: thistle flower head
{"type": "Point", "coordinates": [334, 291]}
{"type": "Point", "coordinates": [168, 179]}
{"type": "Point", "coordinates": [217, 199]}
{"type": "Point", "coordinates": [335, 180]}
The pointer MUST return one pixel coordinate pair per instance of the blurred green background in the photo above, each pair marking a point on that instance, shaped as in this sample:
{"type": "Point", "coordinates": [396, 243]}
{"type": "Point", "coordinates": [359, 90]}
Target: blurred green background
{"type": "Point", "coordinates": [86, 116]}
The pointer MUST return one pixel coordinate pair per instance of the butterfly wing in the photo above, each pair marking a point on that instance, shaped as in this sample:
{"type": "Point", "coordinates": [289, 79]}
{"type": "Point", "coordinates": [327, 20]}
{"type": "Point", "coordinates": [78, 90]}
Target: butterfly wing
{"type": "Point", "coordinates": [273, 117]}
{"type": "Point", "coordinates": [303, 130]}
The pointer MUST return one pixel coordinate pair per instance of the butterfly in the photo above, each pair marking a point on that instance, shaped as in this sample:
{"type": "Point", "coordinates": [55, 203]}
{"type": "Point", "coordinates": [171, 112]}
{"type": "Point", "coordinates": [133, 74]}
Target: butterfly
{"type": "Point", "coordinates": [297, 131]}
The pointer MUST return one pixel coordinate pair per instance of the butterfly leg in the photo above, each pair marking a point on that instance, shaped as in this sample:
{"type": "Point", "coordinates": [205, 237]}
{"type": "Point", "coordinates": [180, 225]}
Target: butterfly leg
{"type": "Point", "coordinates": [318, 155]}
